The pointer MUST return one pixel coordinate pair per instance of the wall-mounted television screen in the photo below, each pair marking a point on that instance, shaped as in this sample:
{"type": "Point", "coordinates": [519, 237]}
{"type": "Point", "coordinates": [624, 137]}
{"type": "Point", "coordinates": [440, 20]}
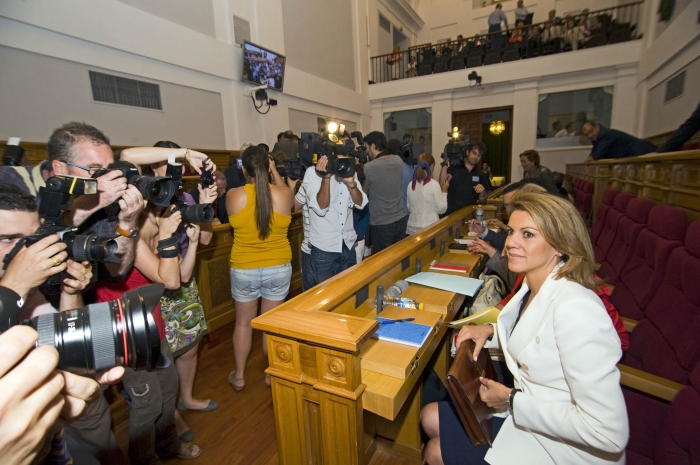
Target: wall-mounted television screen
{"type": "Point", "coordinates": [262, 66]}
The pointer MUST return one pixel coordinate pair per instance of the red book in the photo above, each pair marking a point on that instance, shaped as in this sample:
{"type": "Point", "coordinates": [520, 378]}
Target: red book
{"type": "Point", "coordinates": [446, 266]}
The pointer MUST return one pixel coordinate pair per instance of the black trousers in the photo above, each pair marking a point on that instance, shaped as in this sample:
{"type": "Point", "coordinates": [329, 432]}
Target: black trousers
{"type": "Point", "coordinates": [387, 234]}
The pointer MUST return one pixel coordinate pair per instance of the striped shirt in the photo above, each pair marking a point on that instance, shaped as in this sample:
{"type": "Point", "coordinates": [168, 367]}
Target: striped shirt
{"type": "Point", "coordinates": [301, 198]}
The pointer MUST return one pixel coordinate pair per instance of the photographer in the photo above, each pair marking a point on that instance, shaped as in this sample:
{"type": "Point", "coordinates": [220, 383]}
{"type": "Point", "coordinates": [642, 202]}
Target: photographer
{"type": "Point", "coordinates": [384, 172]}
{"type": "Point", "coordinates": [29, 268]}
{"type": "Point", "coordinates": [78, 149]}
{"type": "Point", "coordinates": [331, 232]}
{"type": "Point", "coordinates": [469, 185]}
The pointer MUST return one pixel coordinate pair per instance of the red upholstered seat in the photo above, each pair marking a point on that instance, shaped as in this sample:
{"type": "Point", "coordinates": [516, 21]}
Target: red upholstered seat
{"type": "Point", "coordinates": [622, 248]}
{"type": "Point", "coordinates": [599, 222]}
{"type": "Point", "coordinates": [663, 434]}
{"type": "Point", "coordinates": [587, 200]}
{"type": "Point", "coordinates": [607, 235]}
{"type": "Point", "coordinates": [665, 342]}
{"type": "Point", "coordinates": [644, 272]}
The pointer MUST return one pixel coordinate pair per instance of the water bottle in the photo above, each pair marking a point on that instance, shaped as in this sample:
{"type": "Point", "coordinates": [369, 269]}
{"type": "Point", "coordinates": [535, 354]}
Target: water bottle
{"type": "Point", "coordinates": [479, 214]}
{"type": "Point", "coordinates": [403, 302]}
{"type": "Point", "coordinates": [397, 288]}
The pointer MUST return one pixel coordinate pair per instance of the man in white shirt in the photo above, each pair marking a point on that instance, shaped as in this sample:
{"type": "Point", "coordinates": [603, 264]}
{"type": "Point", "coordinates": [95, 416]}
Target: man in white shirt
{"type": "Point", "coordinates": [521, 13]}
{"type": "Point", "coordinates": [331, 232]}
{"type": "Point", "coordinates": [495, 18]}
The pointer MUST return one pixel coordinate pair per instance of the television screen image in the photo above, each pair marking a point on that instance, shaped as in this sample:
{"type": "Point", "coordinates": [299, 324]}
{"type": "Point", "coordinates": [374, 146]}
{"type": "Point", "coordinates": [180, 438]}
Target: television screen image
{"type": "Point", "coordinates": [261, 66]}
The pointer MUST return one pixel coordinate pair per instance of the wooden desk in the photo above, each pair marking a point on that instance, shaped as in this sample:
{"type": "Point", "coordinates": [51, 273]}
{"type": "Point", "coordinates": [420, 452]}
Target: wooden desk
{"type": "Point", "coordinates": [327, 408]}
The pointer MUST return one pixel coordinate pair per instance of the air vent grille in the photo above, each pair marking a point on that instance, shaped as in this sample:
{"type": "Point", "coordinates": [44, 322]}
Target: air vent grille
{"type": "Point", "coordinates": [123, 91]}
{"type": "Point", "coordinates": [675, 87]}
{"type": "Point", "coordinates": [241, 30]}
{"type": "Point", "coordinates": [384, 23]}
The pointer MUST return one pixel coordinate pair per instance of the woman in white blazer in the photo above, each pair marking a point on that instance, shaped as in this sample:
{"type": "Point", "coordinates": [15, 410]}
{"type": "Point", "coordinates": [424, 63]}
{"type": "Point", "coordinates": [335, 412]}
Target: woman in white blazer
{"type": "Point", "coordinates": [561, 347]}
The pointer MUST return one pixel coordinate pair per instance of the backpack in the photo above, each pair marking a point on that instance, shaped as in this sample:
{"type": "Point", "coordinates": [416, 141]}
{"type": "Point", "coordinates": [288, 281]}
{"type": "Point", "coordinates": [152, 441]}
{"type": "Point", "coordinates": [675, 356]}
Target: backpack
{"type": "Point", "coordinates": [492, 292]}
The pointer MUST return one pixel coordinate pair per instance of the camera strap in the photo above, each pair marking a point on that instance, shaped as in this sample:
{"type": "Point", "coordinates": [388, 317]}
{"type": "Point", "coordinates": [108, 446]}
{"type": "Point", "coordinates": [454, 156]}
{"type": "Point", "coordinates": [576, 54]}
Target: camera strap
{"type": "Point", "coordinates": [165, 243]}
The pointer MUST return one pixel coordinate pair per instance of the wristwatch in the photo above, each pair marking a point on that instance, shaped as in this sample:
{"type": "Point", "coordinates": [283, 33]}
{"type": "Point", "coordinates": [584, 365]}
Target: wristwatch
{"type": "Point", "coordinates": [128, 233]}
{"type": "Point", "coordinates": [509, 401]}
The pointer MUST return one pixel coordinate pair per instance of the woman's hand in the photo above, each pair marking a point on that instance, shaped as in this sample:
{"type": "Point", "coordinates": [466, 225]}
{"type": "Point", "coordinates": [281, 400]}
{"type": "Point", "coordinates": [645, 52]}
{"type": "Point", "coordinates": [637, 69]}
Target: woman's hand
{"type": "Point", "coordinates": [207, 194]}
{"type": "Point", "coordinates": [446, 183]}
{"type": "Point", "coordinates": [192, 232]}
{"type": "Point", "coordinates": [477, 333]}
{"type": "Point", "coordinates": [479, 246]}
{"type": "Point", "coordinates": [476, 227]}
{"type": "Point", "coordinates": [168, 223]}
{"type": "Point", "coordinates": [497, 223]}
{"type": "Point", "coordinates": [493, 393]}
{"type": "Point", "coordinates": [195, 159]}
{"type": "Point", "coordinates": [82, 274]}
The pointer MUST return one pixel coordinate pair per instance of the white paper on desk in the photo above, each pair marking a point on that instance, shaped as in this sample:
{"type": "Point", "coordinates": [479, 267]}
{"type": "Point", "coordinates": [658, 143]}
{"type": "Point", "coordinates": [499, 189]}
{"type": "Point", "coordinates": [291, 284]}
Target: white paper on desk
{"type": "Point", "coordinates": [464, 241]}
{"type": "Point", "coordinates": [446, 282]}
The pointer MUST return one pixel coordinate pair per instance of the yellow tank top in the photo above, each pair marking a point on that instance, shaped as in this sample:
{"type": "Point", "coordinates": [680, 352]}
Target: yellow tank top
{"type": "Point", "coordinates": [248, 250]}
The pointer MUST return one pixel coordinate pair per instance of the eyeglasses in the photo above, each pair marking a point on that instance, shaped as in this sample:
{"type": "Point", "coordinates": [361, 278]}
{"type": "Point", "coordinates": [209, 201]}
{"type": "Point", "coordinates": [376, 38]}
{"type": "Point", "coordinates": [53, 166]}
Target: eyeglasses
{"type": "Point", "coordinates": [91, 170]}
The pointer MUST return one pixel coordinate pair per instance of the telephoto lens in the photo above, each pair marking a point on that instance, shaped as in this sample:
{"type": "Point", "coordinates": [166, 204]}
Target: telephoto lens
{"type": "Point", "coordinates": [101, 336]}
{"type": "Point", "coordinates": [158, 190]}
{"type": "Point", "coordinates": [91, 247]}
{"type": "Point", "coordinates": [202, 213]}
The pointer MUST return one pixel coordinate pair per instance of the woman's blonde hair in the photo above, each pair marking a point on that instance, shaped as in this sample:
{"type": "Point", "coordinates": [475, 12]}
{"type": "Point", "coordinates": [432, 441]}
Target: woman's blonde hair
{"type": "Point", "coordinates": [563, 228]}
{"type": "Point", "coordinates": [421, 173]}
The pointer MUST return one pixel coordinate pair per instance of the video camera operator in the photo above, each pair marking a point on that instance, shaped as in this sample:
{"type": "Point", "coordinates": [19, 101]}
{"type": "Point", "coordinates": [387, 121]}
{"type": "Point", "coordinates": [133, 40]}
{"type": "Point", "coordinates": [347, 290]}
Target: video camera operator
{"type": "Point", "coordinates": [468, 185]}
{"type": "Point", "coordinates": [332, 236]}
{"type": "Point", "coordinates": [405, 152]}
{"type": "Point", "coordinates": [388, 216]}
{"type": "Point", "coordinates": [28, 269]}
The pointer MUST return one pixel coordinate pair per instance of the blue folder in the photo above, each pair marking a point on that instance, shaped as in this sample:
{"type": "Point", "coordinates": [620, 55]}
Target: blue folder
{"type": "Point", "coordinates": [403, 332]}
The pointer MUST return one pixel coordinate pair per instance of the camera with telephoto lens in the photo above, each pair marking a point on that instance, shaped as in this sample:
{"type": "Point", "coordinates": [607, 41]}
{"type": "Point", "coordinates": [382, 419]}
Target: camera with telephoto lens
{"type": "Point", "coordinates": [99, 336]}
{"type": "Point", "coordinates": [201, 213]}
{"type": "Point", "coordinates": [314, 145]}
{"type": "Point", "coordinates": [79, 247]}
{"type": "Point", "coordinates": [157, 190]}
{"type": "Point", "coordinates": [292, 170]}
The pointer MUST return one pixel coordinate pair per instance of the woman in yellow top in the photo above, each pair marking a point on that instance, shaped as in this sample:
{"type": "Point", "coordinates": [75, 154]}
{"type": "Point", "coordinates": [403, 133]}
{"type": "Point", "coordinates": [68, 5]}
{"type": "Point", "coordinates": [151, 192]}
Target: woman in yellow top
{"type": "Point", "coordinates": [259, 213]}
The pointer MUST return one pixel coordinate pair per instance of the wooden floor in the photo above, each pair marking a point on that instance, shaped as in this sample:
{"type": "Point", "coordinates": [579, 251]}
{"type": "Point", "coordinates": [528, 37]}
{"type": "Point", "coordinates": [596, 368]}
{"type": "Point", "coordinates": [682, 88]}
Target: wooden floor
{"type": "Point", "coordinates": [242, 429]}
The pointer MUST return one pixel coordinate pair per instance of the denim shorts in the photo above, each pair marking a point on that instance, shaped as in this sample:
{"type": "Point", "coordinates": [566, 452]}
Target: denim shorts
{"type": "Point", "coordinates": [271, 283]}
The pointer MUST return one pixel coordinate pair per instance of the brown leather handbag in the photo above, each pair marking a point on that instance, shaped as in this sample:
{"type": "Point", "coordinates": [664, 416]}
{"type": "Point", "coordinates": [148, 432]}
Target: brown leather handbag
{"type": "Point", "coordinates": [463, 385]}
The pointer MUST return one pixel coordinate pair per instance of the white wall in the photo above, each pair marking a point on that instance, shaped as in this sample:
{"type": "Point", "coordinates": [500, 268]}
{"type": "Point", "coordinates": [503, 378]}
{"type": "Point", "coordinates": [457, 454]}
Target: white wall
{"type": "Point", "coordinates": [518, 84]}
{"type": "Point", "coordinates": [139, 44]}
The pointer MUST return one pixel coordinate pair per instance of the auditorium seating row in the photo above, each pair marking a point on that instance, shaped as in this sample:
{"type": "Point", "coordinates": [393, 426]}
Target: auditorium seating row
{"type": "Point", "coordinates": [583, 197]}
{"type": "Point", "coordinates": [652, 256]}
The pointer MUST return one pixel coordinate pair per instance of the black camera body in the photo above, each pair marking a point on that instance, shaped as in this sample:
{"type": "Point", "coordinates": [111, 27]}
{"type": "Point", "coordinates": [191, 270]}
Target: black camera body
{"type": "Point", "coordinates": [207, 178]}
{"type": "Point", "coordinates": [96, 337]}
{"type": "Point", "coordinates": [360, 152]}
{"type": "Point", "coordinates": [157, 190]}
{"type": "Point", "coordinates": [292, 170]}
{"type": "Point", "coordinates": [80, 247]}
{"type": "Point", "coordinates": [314, 145]}
{"type": "Point", "coordinates": [201, 213]}
{"type": "Point", "coordinates": [455, 151]}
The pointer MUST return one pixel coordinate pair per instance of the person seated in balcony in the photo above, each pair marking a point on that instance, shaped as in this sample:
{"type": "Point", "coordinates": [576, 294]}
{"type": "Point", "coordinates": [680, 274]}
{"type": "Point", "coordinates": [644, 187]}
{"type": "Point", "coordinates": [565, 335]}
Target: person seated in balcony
{"type": "Point", "coordinates": [477, 42]}
{"type": "Point", "coordinates": [549, 33]}
{"type": "Point", "coordinates": [411, 70]}
{"type": "Point", "coordinates": [570, 35]}
{"type": "Point", "coordinates": [586, 21]}
{"type": "Point", "coordinates": [463, 45]}
{"type": "Point", "coordinates": [517, 36]}
{"type": "Point", "coordinates": [455, 50]}
{"type": "Point", "coordinates": [556, 127]}
{"type": "Point", "coordinates": [568, 131]}
{"type": "Point", "coordinates": [447, 47]}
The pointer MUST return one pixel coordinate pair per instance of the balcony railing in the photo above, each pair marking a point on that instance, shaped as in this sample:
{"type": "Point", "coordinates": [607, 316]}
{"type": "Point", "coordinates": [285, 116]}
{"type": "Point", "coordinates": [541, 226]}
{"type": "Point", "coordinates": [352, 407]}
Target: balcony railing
{"type": "Point", "coordinates": [595, 29]}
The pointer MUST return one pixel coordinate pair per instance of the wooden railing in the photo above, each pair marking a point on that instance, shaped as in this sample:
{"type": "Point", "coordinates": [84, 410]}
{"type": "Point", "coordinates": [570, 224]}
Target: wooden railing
{"type": "Point", "coordinates": [383, 67]}
{"type": "Point", "coordinates": [667, 179]}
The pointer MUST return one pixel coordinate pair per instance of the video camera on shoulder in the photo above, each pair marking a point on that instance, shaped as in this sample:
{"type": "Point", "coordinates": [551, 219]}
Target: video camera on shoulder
{"type": "Point", "coordinates": [313, 145]}
{"type": "Point", "coordinates": [292, 170]}
{"type": "Point", "coordinates": [80, 247]}
{"type": "Point", "coordinates": [455, 149]}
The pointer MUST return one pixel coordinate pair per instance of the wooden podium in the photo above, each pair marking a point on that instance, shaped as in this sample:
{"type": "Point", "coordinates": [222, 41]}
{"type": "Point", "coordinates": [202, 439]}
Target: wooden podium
{"type": "Point", "coordinates": [330, 410]}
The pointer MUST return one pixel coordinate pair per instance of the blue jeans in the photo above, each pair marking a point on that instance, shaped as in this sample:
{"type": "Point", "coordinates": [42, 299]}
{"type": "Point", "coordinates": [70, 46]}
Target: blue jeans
{"type": "Point", "coordinates": [328, 264]}
{"type": "Point", "coordinates": [308, 279]}
{"type": "Point", "coordinates": [496, 38]}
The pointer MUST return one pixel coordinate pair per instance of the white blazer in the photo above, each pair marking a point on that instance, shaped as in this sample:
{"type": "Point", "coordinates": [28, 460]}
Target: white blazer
{"type": "Point", "coordinates": [562, 354]}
